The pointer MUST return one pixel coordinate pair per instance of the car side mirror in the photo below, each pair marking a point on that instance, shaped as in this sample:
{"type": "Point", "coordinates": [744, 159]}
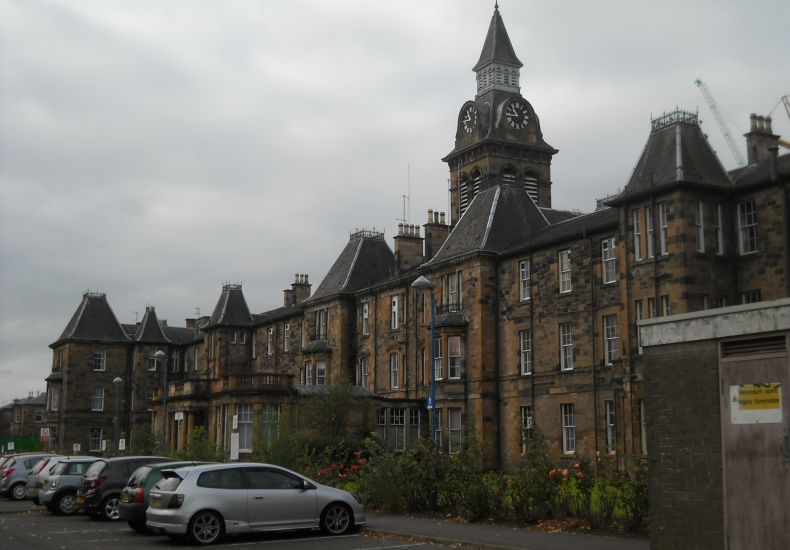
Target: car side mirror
{"type": "Point", "coordinates": [306, 485]}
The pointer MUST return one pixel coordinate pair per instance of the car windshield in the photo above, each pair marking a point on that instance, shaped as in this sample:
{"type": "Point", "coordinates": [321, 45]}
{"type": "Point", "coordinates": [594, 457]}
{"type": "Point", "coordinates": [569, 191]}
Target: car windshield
{"type": "Point", "coordinates": [95, 469]}
{"type": "Point", "coordinates": [138, 477]}
{"type": "Point", "coordinates": [58, 468]}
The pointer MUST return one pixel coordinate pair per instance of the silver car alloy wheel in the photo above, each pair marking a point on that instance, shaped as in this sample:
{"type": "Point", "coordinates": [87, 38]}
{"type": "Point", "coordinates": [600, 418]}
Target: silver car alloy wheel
{"type": "Point", "coordinates": [67, 504]}
{"type": "Point", "coordinates": [337, 519]}
{"type": "Point", "coordinates": [205, 528]}
{"type": "Point", "coordinates": [111, 509]}
{"type": "Point", "coordinates": [18, 491]}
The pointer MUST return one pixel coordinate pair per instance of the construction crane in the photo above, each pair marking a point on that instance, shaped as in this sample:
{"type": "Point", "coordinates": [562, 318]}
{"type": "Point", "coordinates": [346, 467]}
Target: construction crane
{"type": "Point", "coordinates": [785, 99]}
{"type": "Point", "coordinates": [714, 108]}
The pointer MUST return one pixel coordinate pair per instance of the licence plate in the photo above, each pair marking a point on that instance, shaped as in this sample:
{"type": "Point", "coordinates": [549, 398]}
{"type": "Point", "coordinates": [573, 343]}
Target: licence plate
{"type": "Point", "coordinates": [80, 500]}
{"type": "Point", "coordinates": [156, 502]}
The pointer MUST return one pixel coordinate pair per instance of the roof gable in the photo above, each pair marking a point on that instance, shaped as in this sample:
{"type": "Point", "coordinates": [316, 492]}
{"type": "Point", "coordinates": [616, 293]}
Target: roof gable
{"type": "Point", "coordinates": [498, 218]}
{"type": "Point", "coordinates": [231, 308]}
{"type": "Point", "coordinates": [676, 151]}
{"type": "Point", "coordinates": [150, 329]}
{"type": "Point", "coordinates": [94, 320]}
{"type": "Point", "coordinates": [365, 260]}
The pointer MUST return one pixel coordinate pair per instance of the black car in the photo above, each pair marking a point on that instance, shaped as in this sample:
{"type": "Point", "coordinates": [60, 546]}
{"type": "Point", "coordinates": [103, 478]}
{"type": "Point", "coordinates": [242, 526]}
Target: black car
{"type": "Point", "coordinates": [100, 487]}
{"type": "Point", "coordinates": [134, 497]}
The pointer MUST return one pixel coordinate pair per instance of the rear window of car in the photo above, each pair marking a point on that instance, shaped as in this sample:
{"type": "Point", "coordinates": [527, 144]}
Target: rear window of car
{"type": "Point", "coordinates": [138, 477]}
{"type": "Point", "coordinates": [95, 469]}
{"type": "Point", "coordinates": [169, 482]}
{"type": "Point", "coordinates": [229, 478]}
{"type": "Point", "coordinates": [77, 468]}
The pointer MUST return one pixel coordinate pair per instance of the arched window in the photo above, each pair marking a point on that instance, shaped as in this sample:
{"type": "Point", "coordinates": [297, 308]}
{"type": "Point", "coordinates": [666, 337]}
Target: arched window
{"type": "Point", "coordinates": [476, 178]}
{"type": "Point", "coordinates": [509, 174]}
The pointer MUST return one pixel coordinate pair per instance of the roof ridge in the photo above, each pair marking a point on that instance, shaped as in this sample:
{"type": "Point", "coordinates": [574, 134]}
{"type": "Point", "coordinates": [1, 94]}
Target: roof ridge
{"type": "Point", "coordinates": [353, 263]}
{"type": "Point", "coordinates": [491, 214]}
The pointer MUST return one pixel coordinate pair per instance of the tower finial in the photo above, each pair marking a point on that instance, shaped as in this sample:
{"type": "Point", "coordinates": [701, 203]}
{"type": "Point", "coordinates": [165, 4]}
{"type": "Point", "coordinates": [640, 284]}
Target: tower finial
{"type": "Point", "coordinates": [496, 5]}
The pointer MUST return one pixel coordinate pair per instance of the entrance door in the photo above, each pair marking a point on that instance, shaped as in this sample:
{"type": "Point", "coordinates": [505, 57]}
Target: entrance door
{"type": "Point", "coordinates": [755, 411]}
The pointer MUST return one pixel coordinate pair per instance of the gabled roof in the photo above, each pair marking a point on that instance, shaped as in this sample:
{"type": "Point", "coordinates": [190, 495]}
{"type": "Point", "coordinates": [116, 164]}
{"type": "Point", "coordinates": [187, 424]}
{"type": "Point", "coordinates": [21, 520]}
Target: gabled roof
{"type": "Point", "coordinates": [94, 320]}
{"type": "Point", "coordinates": [676, 152]}
{"type": "Point", "coordinates": [557, 216]}
{"type": "Point", "coordinates": [150, 329]}
{"type": "Point", "coordinates": [497, 46]}
{"type": "Point", "coordinates": [365, 261]}
{"type": "Point", "coordinates": [231, 308]}
{"type": "Point", "coordinates": [497, 219]}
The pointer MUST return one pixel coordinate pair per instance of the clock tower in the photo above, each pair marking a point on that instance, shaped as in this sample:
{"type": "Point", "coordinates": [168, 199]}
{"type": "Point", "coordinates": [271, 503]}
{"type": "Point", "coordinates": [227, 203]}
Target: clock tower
{"type": "Point", "coordinates": [498, 137]}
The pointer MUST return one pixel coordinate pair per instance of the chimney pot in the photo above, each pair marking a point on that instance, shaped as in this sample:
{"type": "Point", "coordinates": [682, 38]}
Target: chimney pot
{"type": "Point", "coordinates": [768, 121]}
{"type": "Point", "coordinates": [430, 215]}
{"type": "Point", "coordinates": [441, 217]}
{"type": "Point", "coordinates": [753, 121]}
{"type": "Point", "coordinates": [400, 229]}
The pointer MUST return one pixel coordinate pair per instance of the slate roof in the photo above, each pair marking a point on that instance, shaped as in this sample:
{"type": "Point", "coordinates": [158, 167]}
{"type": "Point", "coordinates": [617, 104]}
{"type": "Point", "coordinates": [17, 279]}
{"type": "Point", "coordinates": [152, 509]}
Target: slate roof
{"type": "Point", "coordinates": [40, 399]}
{"type": "Point", "coordinates": [557, 216]}
{"type": "Point", "coordinates": [497, 46]}
{"type": "Point", "coordinates": [93, 320]}
{"type": "Point", "coordinates": [497, 219]}
{"type": "Point", "coordinates": [676, 151]}
{"type": "Point", "coordinates": [365, 261]}
{"type": "Point", "coordinates": [150, 329]}
{"type": "Point", "coordinates": [231, 308]}
{"type": "Point", "coordinates": [761, 172]}
{"type": "Point", "coordinates": [573, 228]}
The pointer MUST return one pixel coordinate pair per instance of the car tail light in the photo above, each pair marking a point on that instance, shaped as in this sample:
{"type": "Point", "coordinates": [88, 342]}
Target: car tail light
{"type": "Point", "coordinates": [8, 472]}
{"type": "Point", "coordinates": [176, 501]}
{"type": "Point", "coordinates": [139, 496]}
{"type": "Point", "coordinates": [96, 482]}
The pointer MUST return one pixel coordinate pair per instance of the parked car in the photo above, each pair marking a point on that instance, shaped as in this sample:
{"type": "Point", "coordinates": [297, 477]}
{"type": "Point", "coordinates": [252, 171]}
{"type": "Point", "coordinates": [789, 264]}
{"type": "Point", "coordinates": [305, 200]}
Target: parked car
{"type": "Point", "coordinates": [59, 492]}
{"type": "Point", "coordinates": [15, 472]}
{"type": "Point", "coordinates": [41, 471]}
{"type": "Point", "coordinates": [206, 502]}
{"type": "Point", "coordinates": [100, 487]}
{"type": "Point", "coordinates": [134, 497]}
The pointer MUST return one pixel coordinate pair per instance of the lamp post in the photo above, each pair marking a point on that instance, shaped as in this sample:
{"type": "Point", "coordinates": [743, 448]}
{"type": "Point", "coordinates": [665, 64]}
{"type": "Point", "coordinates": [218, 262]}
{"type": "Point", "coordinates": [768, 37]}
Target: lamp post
{"type": "Point", "coordinates": [423, 283]}
{"type": "Point", "coordinates": [162, 355]}
{"type": "Point", "coordinates": [118, 382]}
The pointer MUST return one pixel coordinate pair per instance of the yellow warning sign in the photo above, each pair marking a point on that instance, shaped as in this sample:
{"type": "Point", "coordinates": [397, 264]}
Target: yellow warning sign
{"type": "Point", "coordinates": [754, 397]}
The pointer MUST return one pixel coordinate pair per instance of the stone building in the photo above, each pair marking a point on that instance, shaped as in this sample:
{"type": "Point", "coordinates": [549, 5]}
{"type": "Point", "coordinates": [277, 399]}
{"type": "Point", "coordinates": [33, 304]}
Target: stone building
{"type": "Point", "coordinates": [24, 416]}
{"type": "Point", "coordinates": [536, 308]}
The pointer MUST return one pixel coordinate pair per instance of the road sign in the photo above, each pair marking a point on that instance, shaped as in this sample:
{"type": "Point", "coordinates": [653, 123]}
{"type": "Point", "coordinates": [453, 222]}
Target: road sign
{"type": "Point", "coordinates": [103, 444]}
{"type": "Point", "coordinates": [76, 447]}
{"type": "Point", "coordinates": [429, 403]}
{"type": "Point", "coordinates": [44, 434]}
{"type": "Point", "coordinates": [235, 421]}
{"type": "Point", "coordinates": [122, 444]}
{"type": "Point", "coordinates": [179, 416]}
{"type": "Point", "coordinates": [10, 445]}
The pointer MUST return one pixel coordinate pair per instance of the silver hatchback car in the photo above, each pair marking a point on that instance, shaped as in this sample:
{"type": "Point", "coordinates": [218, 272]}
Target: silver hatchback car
{"type": "Point", "coordinates": [206, 502]}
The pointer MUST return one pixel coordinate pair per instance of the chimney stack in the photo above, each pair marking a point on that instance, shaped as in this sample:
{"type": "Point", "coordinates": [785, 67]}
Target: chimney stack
{"type": "Point", "coordinates": [299, 292]}
{"type": "Point", "coordinates": [760, 139]}
{"type": "Point", "coordinates": [408, 247]}
{"type": "Point", "coordinates": [436, 232]}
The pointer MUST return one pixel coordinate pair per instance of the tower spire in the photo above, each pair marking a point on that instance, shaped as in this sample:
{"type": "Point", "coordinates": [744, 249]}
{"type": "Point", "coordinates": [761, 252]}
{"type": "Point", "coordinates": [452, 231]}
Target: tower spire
{"type": "Point", "coordinates": [498, 66]}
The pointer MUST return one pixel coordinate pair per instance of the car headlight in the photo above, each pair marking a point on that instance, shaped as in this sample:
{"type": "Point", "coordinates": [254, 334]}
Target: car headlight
{"type": "Point", "coordinates": [53, 483]}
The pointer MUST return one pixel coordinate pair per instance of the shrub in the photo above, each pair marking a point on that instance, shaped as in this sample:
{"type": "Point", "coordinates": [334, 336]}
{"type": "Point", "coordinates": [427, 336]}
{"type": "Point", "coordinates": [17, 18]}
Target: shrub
{"type": "Point", "coordinates": [634, 495]}
{"type": "Point", "coordinates": [538, 492]}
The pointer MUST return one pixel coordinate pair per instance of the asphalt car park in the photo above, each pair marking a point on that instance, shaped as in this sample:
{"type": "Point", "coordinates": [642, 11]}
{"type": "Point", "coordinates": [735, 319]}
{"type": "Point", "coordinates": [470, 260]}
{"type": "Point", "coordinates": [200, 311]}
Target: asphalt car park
{"type": "Point", "coordinates": [24, 525]}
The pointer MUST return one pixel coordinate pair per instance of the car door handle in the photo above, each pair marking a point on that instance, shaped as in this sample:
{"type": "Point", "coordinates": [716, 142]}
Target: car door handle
{"type": "Point", "coordinates": [258, 498]}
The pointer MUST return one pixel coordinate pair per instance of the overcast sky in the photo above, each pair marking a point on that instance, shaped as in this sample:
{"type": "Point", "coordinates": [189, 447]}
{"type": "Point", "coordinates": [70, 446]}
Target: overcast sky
{"type": "Point", "coordinates": [153, 150]}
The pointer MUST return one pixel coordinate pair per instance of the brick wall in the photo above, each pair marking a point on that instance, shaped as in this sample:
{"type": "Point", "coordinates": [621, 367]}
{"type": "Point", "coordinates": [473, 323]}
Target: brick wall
{"type": "Point", "coordinates": [684, 448]}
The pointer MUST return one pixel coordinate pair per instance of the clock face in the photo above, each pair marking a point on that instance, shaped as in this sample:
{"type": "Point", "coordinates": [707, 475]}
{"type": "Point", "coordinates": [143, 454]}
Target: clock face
{"type": "Point", "coordinates": [469, 119]}
{"type": "Point", "coordinates": [517, 114]}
